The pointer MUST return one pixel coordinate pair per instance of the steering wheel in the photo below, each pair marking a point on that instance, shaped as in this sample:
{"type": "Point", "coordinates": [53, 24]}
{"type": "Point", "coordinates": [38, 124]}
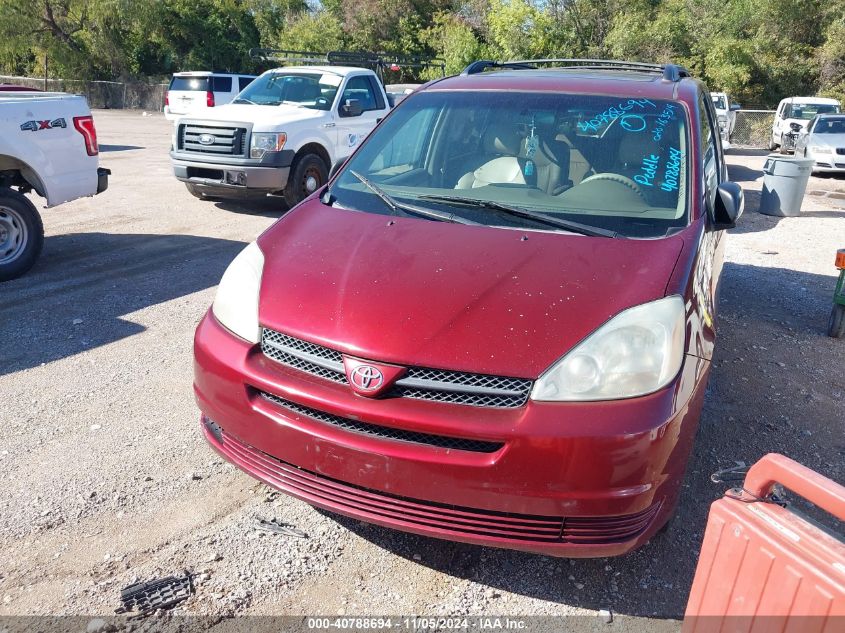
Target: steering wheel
{"type": "Point", "coordinates": [619, 179]}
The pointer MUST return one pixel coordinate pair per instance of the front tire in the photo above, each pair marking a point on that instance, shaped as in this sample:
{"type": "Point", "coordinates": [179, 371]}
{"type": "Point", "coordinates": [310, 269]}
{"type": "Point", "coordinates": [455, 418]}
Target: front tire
{"type": "Point", "coordinates": [21, 234]}
{"type": "Point", "coordinates": [836, 325]}
{"type": "Point", "coordinates": [772, 144]}
{"type": "Point", "coordinates": [308, 173]}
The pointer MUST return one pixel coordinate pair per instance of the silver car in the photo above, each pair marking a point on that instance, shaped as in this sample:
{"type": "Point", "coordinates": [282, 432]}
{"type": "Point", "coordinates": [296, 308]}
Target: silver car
{"type": "Point", "coordinates": [824, 142]}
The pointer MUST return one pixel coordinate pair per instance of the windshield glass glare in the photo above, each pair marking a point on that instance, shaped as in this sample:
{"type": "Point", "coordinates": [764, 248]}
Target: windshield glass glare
{"type": "Point", "coordinates": [807, 111]}
{"type": "Point", "coordinates": [830, 125]}
{"type": "Point", "coordinates": [615, 163]}
{"type": "Point", "coordinates": [311, 90]}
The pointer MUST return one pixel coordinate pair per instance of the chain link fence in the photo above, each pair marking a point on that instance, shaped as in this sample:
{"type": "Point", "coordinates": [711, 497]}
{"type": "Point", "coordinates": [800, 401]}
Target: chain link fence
{"type": "Point", "coordinates": [753, 128]}
{"type": "Point", "coordinates": [102, 94]}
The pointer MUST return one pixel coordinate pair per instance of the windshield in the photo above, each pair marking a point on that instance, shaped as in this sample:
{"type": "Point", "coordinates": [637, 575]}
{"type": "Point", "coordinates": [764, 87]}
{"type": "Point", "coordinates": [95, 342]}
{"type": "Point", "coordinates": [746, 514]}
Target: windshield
{"type": "Point", "coordinates": [807, 111]}
{"type": "Point", "coordinates": [830, 126]}
{"type": "Point", "coordinates": [309, 90]}
{"type": "Point", "coordinates": [613, 163]}
{"type": "Point", "coordinates": [719, 103]}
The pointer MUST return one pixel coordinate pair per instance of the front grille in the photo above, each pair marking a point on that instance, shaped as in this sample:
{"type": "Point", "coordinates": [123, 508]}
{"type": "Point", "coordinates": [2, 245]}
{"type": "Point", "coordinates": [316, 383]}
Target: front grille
{"type": "Point", "coordinates": [840, 151]}
{"type": "Point", "coordinates": [228, 141]}
{"type": "Point", "coordinates": [420, 383]}
{"type": "Point", "coordinates": [385, 432]}
{"type": "Point", "coordinates": [407, 512]}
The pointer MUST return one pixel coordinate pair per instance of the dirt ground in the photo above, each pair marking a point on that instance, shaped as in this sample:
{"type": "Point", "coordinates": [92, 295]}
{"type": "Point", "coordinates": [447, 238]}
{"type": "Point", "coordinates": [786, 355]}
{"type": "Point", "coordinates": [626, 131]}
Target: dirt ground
{"type": "Point", "coordinates": [107, 479]}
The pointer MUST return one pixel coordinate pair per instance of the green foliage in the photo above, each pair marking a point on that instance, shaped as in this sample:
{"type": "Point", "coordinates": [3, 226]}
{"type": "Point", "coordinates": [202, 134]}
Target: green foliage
{"type": "Point", "coordinates": [758, 51]}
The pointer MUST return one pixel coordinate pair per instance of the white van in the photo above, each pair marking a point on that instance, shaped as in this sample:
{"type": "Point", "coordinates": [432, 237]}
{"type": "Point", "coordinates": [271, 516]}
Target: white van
{"type": "Point", "coordinates": [192, 92]}
{"type": "Point", "coordinates": [792, 116]}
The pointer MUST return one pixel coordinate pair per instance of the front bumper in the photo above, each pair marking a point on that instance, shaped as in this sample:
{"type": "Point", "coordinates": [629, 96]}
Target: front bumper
{"type": "Point", "coordinates": [231, 178]}
{"type": "Point", "coordinates": [574, 479]}
{"type": "Point", "coordinates": [828, 163]}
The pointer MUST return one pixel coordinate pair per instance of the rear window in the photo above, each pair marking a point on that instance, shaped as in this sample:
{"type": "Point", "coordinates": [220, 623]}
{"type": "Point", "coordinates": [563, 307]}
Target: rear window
{"type": "Point", "coordinates": [189, 83]}
{"type": "Point", "coordinates": [617, 163]}
{"type": "Point", "coordinates": [243, 82]}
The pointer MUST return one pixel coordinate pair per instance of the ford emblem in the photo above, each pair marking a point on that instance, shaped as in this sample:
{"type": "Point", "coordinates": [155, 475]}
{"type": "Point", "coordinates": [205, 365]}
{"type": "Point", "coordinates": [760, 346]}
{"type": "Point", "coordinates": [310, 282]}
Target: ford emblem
{"type": "Point", "coordinates": [207, 139]}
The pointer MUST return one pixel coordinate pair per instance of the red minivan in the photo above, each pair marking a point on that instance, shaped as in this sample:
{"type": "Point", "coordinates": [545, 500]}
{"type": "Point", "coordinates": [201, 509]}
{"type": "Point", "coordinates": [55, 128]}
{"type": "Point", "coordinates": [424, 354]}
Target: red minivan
{"type": "Point", "coordinates": [495, 323]}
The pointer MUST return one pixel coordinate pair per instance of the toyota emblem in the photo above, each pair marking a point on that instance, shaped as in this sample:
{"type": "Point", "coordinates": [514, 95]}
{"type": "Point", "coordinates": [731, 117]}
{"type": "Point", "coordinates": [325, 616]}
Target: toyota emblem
{"type": "Point", "coordinates": [207, 139]}
{"type": "Point", "coordinates": [366, 378]}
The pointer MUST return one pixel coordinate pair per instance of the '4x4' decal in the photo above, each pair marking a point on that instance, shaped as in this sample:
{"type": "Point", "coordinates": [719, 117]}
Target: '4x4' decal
{"type": "Point", "coordinates": [43, 125]}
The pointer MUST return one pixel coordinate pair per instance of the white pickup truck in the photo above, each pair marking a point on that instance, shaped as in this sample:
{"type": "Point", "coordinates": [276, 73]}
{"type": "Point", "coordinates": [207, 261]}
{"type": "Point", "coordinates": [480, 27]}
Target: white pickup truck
{"type": "Point", "coordinates": [48, 144]}
{"type": "Point", "coordinates": [281, 134]}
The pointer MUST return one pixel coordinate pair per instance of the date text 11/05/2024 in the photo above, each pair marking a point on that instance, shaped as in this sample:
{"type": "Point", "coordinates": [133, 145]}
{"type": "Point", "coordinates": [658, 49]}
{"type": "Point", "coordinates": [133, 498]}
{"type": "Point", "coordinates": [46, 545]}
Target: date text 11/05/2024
{"type": "Point", "coordinates": [417, 623]}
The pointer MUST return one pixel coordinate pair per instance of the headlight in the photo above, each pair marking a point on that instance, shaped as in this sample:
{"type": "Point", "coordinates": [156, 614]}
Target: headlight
{"type": "Point", "coordinates": [820, 149]}
{"type": "Point", "coordinates": [236, 302]}
{"type": "Point", "coordinates": [262, 142]}
{"type": "Point", "coordinates": [637, 352]}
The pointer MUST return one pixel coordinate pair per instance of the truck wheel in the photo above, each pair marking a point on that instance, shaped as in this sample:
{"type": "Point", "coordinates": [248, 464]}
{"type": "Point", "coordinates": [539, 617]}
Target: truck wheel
{"type": "Point", "coordinates": [836, 325]}
{"type": "Point", "coordinates": [772, 144]}
{"type": "Point", "coordinates": [308, 174]}
{"type": "Point", "coordinates": [21, 234]}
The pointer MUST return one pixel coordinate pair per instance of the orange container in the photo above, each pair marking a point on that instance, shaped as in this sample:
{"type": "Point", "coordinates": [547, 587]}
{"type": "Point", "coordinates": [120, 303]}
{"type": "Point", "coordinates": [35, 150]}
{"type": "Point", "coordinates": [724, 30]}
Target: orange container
{"type": "Point", "coordinates": [765, 568]}
{"type": "Point", "coordinates": [840, 258]}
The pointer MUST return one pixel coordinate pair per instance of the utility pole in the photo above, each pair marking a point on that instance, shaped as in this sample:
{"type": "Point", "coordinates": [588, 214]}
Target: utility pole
{"type": "Point", "coordinates": [45, 72]}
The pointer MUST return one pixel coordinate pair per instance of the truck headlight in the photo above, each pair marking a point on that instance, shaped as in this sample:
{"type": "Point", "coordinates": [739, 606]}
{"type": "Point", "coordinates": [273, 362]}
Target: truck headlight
{"type": "Point", "coordinates": [262, 142]}
{"type": "Point", "coordinates": [637, 352]}
{"type": "Point", "coordinates": [820, 149]}
{"type": "Point", "coordinates": [236, 303]}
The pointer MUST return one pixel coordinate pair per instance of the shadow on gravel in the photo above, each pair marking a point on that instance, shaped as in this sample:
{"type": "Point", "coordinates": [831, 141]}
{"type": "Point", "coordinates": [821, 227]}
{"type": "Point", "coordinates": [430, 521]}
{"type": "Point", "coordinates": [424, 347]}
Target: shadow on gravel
{"type": "Point", "coordinates": [753, 406]}
{"type": "Point", "coordinates": [97, 278]}
{"type": "Point", "coordinates": [268, 207]}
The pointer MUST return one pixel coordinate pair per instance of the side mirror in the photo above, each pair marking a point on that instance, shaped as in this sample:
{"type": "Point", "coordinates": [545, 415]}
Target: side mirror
{"type": "Point", "coordinates": [730, 203]}
{"type": "Point", "coordinates": [336, 167]}
{"type": "Point", "coordinates": [735, 107]}
{"type": "Point", "coordinates": [352, 107]}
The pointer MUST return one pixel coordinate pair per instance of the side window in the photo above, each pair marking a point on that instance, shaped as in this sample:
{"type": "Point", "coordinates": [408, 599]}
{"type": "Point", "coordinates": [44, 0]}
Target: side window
{"type": "Point", "coordinates": [709, 150]}
{"type": "Point", "coordinates": [377, 92]}
{"type": "Point", "coordinates": [787, 111]}
{"type": "Point", "coordinates": [221, 84]}
{"type": "Point", "coordinates": [361, 89]}
{"type": "Point", "coordinates": [243, 82]}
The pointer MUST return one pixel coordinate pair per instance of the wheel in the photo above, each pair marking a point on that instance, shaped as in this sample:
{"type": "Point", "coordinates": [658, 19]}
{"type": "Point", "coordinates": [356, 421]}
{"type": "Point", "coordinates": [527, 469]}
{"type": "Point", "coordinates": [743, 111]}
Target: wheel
{"type": "Point", "coordinates": [772, 144]}
{"type": "Point", "coordinates": [836, 325]}
{"type": "Point", "coordinates": [21, 234]}
{"type": "Point", "coordinates": [308, 173]}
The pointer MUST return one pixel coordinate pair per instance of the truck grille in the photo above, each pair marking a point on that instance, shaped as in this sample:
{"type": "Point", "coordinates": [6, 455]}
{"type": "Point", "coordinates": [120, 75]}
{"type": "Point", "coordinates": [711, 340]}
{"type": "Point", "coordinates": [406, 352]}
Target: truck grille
{"type": "Point", "coordinates": [384, 432]}
{"type": "Point", "coordinates": [224, 141]}
{"type": "Point", "coordinates": [840, 151]}
{"type": "Point", "coordinates": [420, 383]}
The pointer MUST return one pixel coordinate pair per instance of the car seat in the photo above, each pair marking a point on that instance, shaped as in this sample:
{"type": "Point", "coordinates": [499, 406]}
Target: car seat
{"type": "Point", "coordinates": [503, 143]}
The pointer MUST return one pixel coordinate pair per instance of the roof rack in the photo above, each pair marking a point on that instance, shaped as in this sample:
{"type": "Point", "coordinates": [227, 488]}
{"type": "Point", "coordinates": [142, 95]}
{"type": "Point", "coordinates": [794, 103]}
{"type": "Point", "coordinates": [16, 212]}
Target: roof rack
{"type": "Point", "coordinates": [670, 72]}
{"type": "Point", "coordinates": [378, 62]}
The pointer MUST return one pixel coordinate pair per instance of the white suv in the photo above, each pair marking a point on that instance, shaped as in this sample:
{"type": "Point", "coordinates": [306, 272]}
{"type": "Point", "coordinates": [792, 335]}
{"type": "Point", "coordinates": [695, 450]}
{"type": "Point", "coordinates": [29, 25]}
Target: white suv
{"type": "Point", "coordinates": [192, 92]}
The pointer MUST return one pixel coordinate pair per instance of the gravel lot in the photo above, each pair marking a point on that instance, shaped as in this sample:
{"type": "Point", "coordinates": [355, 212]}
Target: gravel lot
{"type": "Point", "coordinates": [108, 480]}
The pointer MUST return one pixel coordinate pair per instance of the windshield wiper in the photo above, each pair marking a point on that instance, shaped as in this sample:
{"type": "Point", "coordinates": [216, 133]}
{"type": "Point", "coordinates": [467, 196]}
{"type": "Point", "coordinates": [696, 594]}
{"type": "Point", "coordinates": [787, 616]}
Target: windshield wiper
{"type": "Point", "coordinates": [398, 207]}
{"type": "Point", "coordinates": [568, 225]}
{"type": "Point", "coordinates": [244, 100]}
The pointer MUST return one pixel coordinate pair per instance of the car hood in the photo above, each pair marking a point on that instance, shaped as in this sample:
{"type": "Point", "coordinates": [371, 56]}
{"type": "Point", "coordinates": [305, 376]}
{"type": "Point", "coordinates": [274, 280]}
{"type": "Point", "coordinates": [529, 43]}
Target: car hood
{"type": "Point", "coordinates": [830, 140]}
{"type": "Point", "coordinates": [449, 296]}
{"type": "Point", "coordinates": [262, 117]}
